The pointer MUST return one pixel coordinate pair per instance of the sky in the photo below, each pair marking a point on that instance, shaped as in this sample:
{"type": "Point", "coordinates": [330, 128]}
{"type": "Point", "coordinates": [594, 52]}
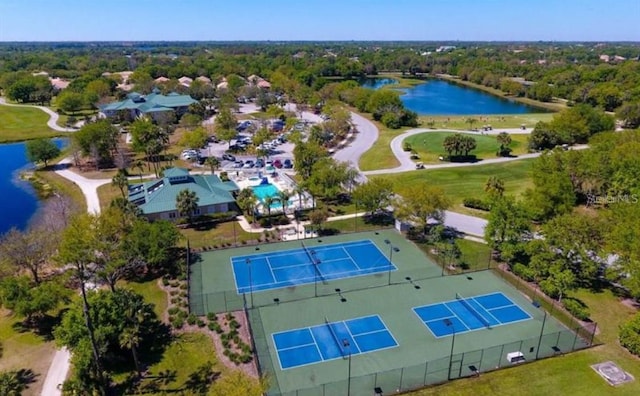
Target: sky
{"type": "Point", "coordinates": [293, 20]}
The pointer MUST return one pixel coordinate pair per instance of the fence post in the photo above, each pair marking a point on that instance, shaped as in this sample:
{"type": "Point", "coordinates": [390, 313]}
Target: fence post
{"type": "Point", "coordinates": [401, 376]}
{"type": "Point", "coordinates": [575, 339]}
{"type": "Point", "coordinates": [461, 362]}
{"type": "Point", "coordinates": [593, 333]}
{"type": "Point", "coordinates": [501, 352]}
{"type": "Point", "coordinates": [426, 370]}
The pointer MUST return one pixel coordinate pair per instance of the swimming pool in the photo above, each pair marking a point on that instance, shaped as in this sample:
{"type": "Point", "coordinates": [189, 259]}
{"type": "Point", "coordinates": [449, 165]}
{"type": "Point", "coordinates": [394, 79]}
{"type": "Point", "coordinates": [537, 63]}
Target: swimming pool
{"type": "Point", "coordinates": [265, 190]}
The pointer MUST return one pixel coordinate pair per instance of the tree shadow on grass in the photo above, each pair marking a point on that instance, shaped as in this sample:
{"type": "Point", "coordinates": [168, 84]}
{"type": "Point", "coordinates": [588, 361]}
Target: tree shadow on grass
{"type": "Point", "coordinates": [40, 325]}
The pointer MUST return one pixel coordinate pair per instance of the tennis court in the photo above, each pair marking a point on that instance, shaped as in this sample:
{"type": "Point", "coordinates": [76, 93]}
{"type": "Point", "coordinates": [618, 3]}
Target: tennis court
{"type": "Point", "coordinates": [468, 314]}
{"type": "Point", "coordinates": [332, 340]}
{"type": "Point", "coordinates": [274, 270]}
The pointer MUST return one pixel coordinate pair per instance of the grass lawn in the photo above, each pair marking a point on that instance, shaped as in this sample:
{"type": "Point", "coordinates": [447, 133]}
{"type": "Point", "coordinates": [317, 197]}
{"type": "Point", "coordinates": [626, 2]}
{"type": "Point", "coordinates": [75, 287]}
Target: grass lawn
{"type": "Point", "coordinates": [23, 123]}
{"type": "Point", "coordinates": [429, 147]}
{"type": "Point", "coordinates": [24, 350]}
{"type": "Point", "coordinates": [380, 156]}
{"type": "Point", "coordinates": [469, 181]}
{"type": "Point", "coordinates": [186, 353]}
{"type": "Point", "coordinates": [497, 121]}
{"type": "Point", "coordinates": [217, 234]}
{"type": "Point", "coordinates": [65, 187]}
{"type": "Point", "coordinates": [151, 293]}
{"type": "Point", "coordinates": [567, 375]}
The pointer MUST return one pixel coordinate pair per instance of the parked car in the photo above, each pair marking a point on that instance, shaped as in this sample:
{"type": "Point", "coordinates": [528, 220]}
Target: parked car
{"type": "Point", "coordinates": [259, 163]}
{"type": "Point", "coordinates": [228, 157]}
{"type": "Point", "coordinates": [277, 163]}
{"type": "Point", "coordinates": [287, 164]}
{"type": "Point", "coordinates": [248, 164]}
{"type": "Point", "coordinates": [238, 164]}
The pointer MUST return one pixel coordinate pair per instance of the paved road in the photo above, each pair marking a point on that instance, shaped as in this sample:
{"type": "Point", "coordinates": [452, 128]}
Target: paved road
{"type": "Point", "coordinates": [363, 140]}
{"type": "Point", "coordinates": [53, 116]}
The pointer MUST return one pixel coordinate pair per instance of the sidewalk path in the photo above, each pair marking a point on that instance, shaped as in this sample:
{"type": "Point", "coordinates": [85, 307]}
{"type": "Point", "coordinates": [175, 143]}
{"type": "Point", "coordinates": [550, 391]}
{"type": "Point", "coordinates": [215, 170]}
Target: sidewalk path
{"type": "Point", "coordinates": [57, 373]}
{"type": "Point", "coordinates": [89, 187]}
{"type": "Point", "coordinates": [53, 116]}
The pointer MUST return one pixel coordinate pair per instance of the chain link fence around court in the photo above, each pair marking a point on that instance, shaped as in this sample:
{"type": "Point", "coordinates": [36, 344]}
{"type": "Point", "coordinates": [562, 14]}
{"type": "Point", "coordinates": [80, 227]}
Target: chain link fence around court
{"type": "Point", "coordinates": [431, 372]}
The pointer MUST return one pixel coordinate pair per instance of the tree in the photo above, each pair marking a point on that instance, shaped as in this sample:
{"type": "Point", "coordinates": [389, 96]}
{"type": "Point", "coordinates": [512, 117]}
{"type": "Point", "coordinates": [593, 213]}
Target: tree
{"type": "Point", "coordinates": [120, 180]}
{"type": "Point", "coordinates": [508, 227]}
{"type": "Point", "coordinates": [630, 335]}
{"type": "Point", "coordinates": [77, 249]}
{"type": "Point", "coordinates": [98, 139]}
{"type": "Point", "coordinates": [225, 120]}
{"type": "Point", "coordinates": [42, 150]}
{"type": "Point", "coordinates": [306, 155]}
{"type": "Point", "coordinates": [504, 139]}
{"type": "Point", "coordinates": [69, 101]}
{"type": "Point", "coordinates": [494, 186]}
{"type": "Point", "coordinates": [283, 197]}
{"type": "Point", "coordinates": [29, 250]}
{"type": "Point", "coordinates": [374, 195]}
{"type": "Point", "coordinates": [471, 121]}
{"type": "Point", "coordinates": [195, 139]}
{"type": "Point", "coordinates": [123, 321]}
{"type": "Point", "coordinates": [213, 163]}
{"type": "Point", "coordinates": [149, 139]}
{"type": "Point", "coordinates": [629, 113]}
{"type": "Point", "coordinates": [553, 192]}
{"type": "Point", "coordinates": [32, 302]}
{"type": "Point", "coordinates": [226, 135]}
{"type": "Point", "coordinates": [267, 203]}
{"type": "Point", "coordinates": [187, 204]}
{"type": "Point", "coordinates": [247, 201]}
{"type": "Point", "coordinates": [12, 385]}
{"type": "Point", "coordinates": [327, 177]}
{"type": "Point", "coordinates": [318, 216]}
{"type": "Point", "coordinates": [419, 204]}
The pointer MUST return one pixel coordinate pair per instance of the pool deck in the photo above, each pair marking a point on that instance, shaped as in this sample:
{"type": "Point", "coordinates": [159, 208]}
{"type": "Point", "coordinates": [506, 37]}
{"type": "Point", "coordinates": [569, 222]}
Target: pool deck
{"type": "Point", "coordinates": [253, 178]}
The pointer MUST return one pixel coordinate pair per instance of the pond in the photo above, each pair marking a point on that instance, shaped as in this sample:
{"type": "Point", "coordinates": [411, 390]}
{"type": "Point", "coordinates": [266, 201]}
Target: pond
{"type": "Point", "coordinates": [18, 200]}
{"type": "Point", "coordinates": [437, 97]}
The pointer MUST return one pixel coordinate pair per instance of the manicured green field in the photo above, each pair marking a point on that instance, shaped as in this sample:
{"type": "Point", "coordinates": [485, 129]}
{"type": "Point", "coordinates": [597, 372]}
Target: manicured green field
{"type": "Point", "coordinates": [23, 123]}
{"type": "Point", "coordinates": [429, 147]}
{"type": "Point", "coordinates": [468, 181]}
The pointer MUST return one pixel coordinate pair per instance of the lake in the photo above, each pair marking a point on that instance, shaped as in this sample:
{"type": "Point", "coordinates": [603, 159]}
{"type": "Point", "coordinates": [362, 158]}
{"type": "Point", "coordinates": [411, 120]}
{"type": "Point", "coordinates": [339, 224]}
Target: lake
{"type": "Point", "coordinates": [437, 97]}
{"type": "Point", "coordinates": [18, 200]}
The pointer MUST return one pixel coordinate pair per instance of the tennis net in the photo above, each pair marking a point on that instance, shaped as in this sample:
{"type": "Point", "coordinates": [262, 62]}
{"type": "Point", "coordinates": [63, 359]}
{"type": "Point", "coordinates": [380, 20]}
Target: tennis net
{"type": "Point", "coordinates": [313, 260]}
{"type": "Point", "coordinates": [335, 336]}
{"type": "Point", "coordinates": [477, 314]}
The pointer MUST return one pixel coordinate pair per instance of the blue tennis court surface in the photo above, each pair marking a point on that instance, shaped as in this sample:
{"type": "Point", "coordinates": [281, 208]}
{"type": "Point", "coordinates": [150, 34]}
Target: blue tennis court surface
{"type": "Point", "coordinates": [468, 314]}
{"type": "Point", "coordinates": [285, 268]}
{"type": "Point", "coordinates": [327, 341]}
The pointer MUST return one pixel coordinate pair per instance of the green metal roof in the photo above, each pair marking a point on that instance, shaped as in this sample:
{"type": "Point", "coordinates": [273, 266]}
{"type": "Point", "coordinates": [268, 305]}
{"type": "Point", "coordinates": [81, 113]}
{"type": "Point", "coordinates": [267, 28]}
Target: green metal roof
{"type": "Point", "coordinates": [159, 195]}
{"type": "Point", "coordinates": [150, 103]}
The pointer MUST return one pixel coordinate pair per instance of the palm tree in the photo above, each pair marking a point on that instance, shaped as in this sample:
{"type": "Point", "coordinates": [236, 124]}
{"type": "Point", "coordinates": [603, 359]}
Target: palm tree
{"type": "Point", "coordinates": [11, 384]}
{"type": "Point", "coordinates": [213, 163]}
{"type": "Point", "coordinates": [187, 204]}
{"type": "Point", "coordinates": [283, 197]}
{"type": "Point", "coordinates": [140, 165]}
{"type": "Point", "coordinates": [299, 189]}
{"type": "Point", "coordinates": [130, 337]}
{"type": "Point", "coordinates": [120, 181]}
{"type": "Point", "coordinates": [268, 201]}
{"type": "Point", "coordinates": [470, 121]}
{"type": "Point", "coordinates": [247, 201]}
{"type": "Point", "coordinates": [494, 186]}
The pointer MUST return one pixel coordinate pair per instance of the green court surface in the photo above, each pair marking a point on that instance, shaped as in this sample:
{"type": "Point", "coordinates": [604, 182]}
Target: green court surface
{"type": "Point", "coordinates": [418, 359]}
